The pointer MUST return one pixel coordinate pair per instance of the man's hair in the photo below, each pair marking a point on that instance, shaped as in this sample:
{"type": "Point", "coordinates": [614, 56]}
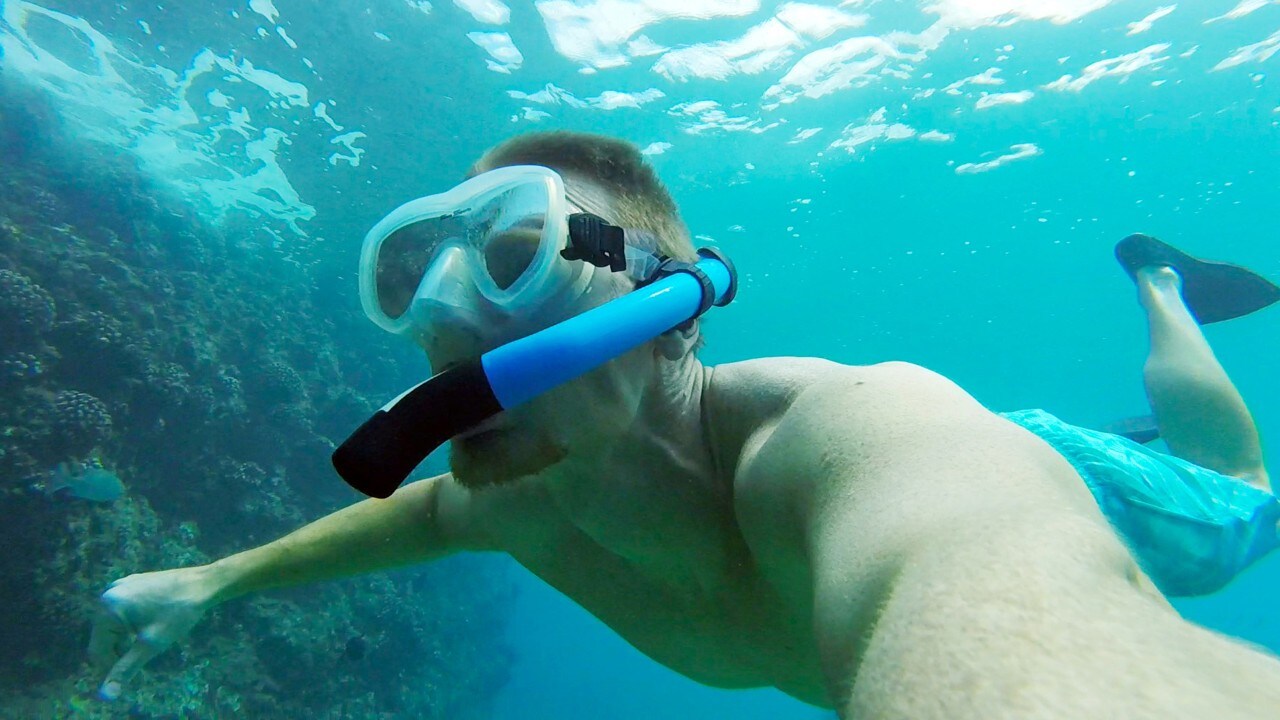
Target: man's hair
{"type": "Point", "coordinates": [641, 201]}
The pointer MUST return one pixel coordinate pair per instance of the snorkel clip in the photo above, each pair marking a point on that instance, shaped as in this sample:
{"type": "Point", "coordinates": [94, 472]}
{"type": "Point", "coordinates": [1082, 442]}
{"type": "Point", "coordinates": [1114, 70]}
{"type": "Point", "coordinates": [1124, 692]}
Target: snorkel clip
{"type": "Point", "coordinates": [671, 266]}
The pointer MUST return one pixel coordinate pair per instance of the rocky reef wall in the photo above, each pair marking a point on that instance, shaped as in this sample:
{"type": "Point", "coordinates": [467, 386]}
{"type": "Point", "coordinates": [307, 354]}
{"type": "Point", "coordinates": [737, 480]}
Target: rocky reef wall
{"type": "Point", "coordinates": [194, 363]}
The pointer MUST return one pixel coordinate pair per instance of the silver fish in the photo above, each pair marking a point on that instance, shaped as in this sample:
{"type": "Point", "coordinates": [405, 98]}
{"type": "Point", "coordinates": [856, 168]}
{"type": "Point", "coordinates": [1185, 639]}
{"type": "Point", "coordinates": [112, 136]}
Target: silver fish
{"type": "Point", "coordinates": [91, 483]}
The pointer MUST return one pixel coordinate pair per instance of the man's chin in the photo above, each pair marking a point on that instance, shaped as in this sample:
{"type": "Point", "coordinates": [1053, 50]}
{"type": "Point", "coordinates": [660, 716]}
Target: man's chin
{"type": "Point", "coordinates": [497, 457]}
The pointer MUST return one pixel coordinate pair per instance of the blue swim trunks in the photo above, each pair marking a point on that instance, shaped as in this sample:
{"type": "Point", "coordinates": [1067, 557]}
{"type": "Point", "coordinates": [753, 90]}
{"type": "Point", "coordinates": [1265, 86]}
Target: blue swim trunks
{"type": "Point", "coordinates": [1191, 529]}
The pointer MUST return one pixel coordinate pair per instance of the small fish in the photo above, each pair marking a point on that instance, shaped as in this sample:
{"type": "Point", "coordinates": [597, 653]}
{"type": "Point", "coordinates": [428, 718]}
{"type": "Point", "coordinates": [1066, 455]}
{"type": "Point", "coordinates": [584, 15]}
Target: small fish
{"type": "Point", "coordinates": [90, 483]}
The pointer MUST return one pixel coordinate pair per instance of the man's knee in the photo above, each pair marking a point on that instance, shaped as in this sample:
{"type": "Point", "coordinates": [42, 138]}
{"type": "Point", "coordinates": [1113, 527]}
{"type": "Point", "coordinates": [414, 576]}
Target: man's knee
{"type": "Point", "coordinates": [1258, 477]}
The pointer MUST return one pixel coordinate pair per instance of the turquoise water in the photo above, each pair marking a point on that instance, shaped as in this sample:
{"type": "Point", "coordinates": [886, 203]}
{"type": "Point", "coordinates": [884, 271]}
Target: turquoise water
{"type": "Point", "coordinates": [915, 181]}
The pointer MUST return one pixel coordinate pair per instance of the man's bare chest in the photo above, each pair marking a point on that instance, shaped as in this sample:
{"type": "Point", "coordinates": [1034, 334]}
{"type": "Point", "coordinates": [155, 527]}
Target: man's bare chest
{"type": "Point", "coordinates": [686, 596]}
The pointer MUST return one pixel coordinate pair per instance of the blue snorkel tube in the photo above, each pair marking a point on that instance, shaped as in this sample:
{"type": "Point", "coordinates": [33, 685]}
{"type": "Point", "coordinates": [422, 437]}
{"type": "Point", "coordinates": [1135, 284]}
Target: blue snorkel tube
{"type": "Point", "coordinates": [381, 453]}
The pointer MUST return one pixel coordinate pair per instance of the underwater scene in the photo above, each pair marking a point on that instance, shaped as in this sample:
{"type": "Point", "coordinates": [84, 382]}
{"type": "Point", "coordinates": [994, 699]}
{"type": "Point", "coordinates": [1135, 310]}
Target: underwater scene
{"type": "Point", "coordinates": [184, 191]}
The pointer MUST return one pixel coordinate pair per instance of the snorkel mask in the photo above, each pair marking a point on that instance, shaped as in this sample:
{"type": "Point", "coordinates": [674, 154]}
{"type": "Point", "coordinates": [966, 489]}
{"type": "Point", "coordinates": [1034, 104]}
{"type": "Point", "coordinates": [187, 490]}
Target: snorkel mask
{"type": "Point", "coordinates": [496, 248]}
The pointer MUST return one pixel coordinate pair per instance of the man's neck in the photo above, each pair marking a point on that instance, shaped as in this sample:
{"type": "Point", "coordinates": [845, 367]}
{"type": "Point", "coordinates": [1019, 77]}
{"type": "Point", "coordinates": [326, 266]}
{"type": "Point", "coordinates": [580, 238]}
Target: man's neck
{"type": "Point", "coordinates": [669, 443]}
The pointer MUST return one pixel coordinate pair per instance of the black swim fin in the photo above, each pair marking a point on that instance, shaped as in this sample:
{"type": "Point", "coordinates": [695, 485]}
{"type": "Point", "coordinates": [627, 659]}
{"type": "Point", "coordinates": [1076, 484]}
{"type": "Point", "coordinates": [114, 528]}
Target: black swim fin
{"type": "Point", "coordinates": [1141, 429]}
{"type": "Point", "coordinates": [1213, 291]}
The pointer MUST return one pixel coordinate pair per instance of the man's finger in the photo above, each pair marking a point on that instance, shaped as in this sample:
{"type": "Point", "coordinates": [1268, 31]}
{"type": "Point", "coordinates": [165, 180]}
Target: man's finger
{"type": "Point", "coordinates": [104, 641]}
{"type": "Point", "coordinates": [128, 666]}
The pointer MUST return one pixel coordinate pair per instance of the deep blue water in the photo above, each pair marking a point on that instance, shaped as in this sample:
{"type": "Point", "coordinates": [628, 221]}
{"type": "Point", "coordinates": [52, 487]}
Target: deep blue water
{"type": "Point", "coordinates": [865, 203]}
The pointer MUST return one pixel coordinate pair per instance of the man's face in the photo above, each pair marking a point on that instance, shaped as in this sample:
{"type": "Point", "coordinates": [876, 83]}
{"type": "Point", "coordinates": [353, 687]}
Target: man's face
{"type": "Point", "coordinates": [575, 420]}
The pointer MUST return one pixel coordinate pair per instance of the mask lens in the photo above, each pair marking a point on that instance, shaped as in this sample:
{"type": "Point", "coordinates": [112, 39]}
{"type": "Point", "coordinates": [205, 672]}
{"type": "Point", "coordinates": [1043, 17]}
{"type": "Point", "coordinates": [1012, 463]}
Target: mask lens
{"type": "Point", "coordinates": [515, 233]}
{"type": "Point", "coordinates": [509, 254]}
{"type": "Point", "coordinates": [403, 260]}
{"type": "Point", "coordinates": [505, 228]}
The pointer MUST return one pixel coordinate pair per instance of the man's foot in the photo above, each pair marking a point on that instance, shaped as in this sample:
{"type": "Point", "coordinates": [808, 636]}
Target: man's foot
{"type": "Point", "coordinates": [1159, 285]}
{"type": "Point", "coordinates": [1213, 291]}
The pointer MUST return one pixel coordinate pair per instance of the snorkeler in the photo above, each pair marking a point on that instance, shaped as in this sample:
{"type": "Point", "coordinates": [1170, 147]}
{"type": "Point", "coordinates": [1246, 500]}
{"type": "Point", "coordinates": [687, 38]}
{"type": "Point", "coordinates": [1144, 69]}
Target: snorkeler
{"type": "Point", "coordinates": [868, 539]}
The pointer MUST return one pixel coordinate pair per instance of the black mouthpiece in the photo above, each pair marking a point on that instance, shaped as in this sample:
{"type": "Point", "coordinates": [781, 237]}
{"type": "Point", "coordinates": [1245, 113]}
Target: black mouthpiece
{"type": "Point", "coordinates": [381, 453]}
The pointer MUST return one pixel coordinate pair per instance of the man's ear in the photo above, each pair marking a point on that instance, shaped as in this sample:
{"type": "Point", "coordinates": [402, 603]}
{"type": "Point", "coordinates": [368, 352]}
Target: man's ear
{"type": "Point", "coordinates": [675, 344]}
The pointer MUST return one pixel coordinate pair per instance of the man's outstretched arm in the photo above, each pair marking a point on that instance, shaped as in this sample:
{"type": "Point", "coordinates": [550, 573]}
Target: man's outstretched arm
{"type": "Point", "coordinates": [960, 568]}
{"type": "Point", "coordinates": [150, 611]}
{"type": "Point", "coordinates": [422, 521]}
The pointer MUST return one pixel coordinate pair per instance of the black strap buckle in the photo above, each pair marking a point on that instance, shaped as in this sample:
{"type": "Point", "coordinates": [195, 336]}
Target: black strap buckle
{"type": "Point", "coordinates": [596, 241]}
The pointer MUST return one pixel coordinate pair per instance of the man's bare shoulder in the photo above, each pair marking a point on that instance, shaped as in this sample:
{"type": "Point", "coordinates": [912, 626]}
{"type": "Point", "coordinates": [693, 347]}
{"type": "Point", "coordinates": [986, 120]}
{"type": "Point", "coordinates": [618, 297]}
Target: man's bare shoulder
{"type": "Point", "coordinates": [882, 429]}
{"type": "Point", "coordinates": [787, 416]}
{"type": "Point", "coordinates": [825, 428]}
{"type": "Point", "coordinates": [887, 454]}
{"type": "Point", "coordinates": [805, 417]}
{"type": "Point", "coordinates": [803, 385]}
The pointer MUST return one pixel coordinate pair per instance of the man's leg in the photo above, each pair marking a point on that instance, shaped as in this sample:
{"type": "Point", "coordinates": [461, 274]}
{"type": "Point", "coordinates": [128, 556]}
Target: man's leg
{"type": "Point", "coordinates": [1201, 415]}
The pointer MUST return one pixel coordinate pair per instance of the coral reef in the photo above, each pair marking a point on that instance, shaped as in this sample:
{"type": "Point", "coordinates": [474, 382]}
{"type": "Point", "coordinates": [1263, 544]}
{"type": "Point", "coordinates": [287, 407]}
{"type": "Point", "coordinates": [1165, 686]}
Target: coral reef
{"type": "Point", "coordinates": [17, 367]}
{"type": "Point", "coordinates": [278, 383]}
{"type": "Point", "coordinates": [202, 367]}
{"type": "Point", "coordinates": [81, 422]}
{"type": "Point", "coordinates": [26, 310]}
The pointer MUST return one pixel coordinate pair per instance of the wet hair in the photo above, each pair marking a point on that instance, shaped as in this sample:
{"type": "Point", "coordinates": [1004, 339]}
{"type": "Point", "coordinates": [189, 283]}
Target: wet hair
{"type": "Point", "coordinates": [640, 200]}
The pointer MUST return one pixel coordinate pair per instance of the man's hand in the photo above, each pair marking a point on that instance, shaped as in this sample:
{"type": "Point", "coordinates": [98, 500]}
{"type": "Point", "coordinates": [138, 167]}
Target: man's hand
{"type": "Point", "coordinates": [142, 615]}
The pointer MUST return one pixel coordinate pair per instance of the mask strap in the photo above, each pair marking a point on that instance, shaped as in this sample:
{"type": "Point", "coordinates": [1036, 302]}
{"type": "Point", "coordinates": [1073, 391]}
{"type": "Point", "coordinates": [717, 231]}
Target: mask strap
{"type": "Point", "coordinates": [642, 259]}
{"type": "Point", "coordinates": [602, 244]}
{"type": "Point", "coordinates": [595, 240]}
